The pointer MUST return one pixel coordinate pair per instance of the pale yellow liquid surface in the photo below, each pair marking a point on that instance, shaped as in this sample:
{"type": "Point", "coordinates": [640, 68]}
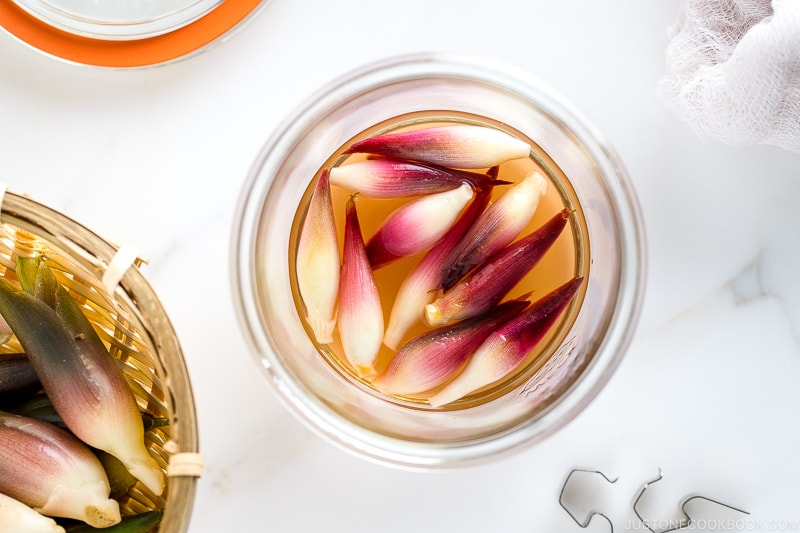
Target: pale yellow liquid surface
{"type": "Point", "coordinates": [567, 258]}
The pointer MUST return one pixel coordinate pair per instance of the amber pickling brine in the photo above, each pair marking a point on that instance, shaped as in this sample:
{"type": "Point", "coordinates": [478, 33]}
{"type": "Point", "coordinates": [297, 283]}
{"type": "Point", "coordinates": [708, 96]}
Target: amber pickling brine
{"type": "Point", "coordinates": [566, 258]}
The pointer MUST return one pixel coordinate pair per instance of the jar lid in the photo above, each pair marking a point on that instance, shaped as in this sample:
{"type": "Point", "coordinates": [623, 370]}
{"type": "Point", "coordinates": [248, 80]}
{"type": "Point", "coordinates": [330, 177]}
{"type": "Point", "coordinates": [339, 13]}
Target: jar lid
{"type": "Point", "coordinates": [122, 33]}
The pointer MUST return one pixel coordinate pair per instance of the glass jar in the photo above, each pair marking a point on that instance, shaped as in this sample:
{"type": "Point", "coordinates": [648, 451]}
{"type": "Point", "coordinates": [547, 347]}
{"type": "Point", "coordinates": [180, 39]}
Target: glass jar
{"type": "Point", "coordinates": [535, 405]}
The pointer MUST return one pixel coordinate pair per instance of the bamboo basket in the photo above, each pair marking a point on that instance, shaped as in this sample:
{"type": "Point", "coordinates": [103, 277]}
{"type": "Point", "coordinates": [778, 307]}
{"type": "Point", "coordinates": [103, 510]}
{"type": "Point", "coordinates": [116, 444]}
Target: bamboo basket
{"type": "Point", "coordinates": [106, 281]}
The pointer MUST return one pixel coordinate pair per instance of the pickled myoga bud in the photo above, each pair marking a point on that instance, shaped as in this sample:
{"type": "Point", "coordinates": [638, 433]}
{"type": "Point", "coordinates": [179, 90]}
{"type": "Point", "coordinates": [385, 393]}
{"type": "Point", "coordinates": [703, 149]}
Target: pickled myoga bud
{"type": "Point", "coordinates": [360, 312]}
{"type": "Point", "coordinates": [463, 146]}
{"type": "Point", "coordinates": [485, 286]}
{"type": "Point", "coordinates": [431, 359]}
{"type": "Point", "coordinates": [318, 263]}
{"type": "Point", "coordinates": [500, 224]}
{"type": "Point", "coordinates": [503, 351]}
{"type": "Point", "coordinates": [392, 178]}
{"type": "Point", "coordinates": [417, 225]}
{"type": "Point", "coordinates": [419, 287]}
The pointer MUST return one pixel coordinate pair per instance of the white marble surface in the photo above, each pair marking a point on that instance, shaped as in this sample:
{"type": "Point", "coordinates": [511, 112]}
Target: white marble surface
{"type": "Point", "coordinates": [708, 391]}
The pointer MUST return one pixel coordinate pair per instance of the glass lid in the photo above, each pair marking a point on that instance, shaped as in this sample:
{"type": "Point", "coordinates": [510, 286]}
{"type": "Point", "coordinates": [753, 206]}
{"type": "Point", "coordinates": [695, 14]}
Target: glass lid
{"type": "Point", "coordinates": [123, 33]}
{"type": "Point", "coordinates": [118, 19]}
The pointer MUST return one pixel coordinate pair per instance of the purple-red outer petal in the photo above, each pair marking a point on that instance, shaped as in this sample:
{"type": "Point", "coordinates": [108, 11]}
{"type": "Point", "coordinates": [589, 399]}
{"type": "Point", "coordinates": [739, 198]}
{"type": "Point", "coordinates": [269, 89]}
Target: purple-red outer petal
{"type": "Point", "coordinates": [490, 282]}
{"type": "Point", "coordinates": [436, 355]}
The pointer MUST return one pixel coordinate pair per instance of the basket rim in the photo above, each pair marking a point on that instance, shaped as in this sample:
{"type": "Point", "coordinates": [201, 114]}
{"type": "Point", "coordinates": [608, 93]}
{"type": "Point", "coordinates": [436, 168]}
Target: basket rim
{"type": "Point", "coordinates": [94, 254]}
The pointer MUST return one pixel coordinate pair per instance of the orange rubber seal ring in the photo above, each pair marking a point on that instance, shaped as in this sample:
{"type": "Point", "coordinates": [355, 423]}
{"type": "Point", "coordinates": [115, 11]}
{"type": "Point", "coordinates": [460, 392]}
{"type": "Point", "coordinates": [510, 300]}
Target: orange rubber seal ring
{"type": "Point", "coordinates": [122, 54]}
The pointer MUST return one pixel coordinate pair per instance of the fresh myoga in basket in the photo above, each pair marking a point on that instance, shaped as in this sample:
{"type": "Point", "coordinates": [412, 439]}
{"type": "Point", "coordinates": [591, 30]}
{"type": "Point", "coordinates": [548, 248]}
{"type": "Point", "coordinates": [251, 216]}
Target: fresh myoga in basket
{"type": "Point", "coordinates": [71, 431]}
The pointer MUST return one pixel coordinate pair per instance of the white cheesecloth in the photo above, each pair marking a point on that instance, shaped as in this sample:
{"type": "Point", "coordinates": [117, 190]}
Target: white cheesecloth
{"type": "Point", "coordinates": [733, 71]}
